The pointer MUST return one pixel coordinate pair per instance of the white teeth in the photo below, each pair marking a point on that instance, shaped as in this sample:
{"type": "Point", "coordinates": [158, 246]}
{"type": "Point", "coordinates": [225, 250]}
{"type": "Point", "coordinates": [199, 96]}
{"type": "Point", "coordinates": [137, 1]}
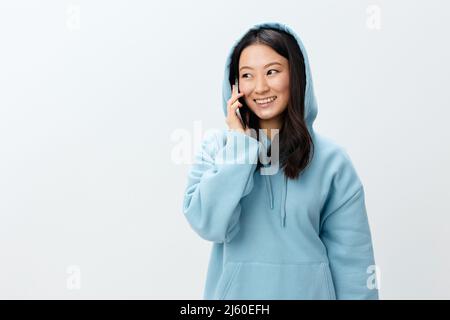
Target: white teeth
{"type": "Point", "coordinates": [265, 100]}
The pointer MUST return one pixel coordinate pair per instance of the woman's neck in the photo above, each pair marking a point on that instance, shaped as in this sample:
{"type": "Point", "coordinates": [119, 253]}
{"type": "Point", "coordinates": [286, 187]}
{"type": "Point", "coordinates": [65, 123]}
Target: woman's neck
{"type": "Point", "coordinates": [269, 124]}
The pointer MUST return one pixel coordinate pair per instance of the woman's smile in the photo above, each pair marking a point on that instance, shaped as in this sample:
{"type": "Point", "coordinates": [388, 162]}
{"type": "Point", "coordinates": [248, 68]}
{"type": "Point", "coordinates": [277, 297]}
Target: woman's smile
{"type": "Point", "coordinates": [265, 103]}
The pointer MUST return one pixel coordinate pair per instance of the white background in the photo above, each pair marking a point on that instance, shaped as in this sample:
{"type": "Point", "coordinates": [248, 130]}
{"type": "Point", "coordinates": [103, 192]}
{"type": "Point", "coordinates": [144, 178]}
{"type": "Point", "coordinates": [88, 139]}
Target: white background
{"type": "Point", "coordinates": [92, 91]}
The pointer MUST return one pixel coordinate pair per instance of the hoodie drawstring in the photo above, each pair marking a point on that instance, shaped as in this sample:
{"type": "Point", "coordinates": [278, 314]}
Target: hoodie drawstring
{"type": "Point", "coordinates": [269, 190]}
{"type": "Point", "coordinates": [283, 202]}
{"type": "Point", "coordinates": [283, 197]}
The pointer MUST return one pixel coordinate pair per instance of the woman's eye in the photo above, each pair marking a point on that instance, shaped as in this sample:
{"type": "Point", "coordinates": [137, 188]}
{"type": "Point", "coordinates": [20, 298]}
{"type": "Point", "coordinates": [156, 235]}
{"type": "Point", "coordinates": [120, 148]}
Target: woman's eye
{"type": "Point", "coordinates": [245, 74]}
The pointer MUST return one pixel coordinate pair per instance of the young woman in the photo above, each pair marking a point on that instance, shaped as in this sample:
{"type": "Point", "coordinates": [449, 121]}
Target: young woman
{"type": "Point", "coordinates": [294, 227]}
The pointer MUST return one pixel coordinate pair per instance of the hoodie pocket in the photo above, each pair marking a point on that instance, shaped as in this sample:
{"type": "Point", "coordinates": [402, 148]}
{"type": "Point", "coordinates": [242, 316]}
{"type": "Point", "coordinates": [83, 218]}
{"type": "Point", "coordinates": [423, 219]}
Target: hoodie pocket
{"type": "Point", "coordinates": [226, 279]}
{"type": "Point", "coordinates": [261, 280]}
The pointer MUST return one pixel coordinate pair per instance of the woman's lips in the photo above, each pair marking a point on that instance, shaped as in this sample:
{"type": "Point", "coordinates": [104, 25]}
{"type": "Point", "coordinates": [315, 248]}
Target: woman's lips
{"type": "Point", "coordinates": [265, 105]}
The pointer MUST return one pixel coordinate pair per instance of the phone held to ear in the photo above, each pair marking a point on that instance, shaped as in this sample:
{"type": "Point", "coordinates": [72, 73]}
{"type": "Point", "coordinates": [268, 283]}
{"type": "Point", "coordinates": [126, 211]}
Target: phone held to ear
{"type": "Point", "coordinates": [236, 84]}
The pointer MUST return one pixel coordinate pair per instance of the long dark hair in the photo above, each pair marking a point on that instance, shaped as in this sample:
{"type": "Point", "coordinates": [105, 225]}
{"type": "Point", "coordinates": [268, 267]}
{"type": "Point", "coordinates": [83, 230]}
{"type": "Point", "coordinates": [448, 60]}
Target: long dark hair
{"type": "Point", "coordinates": [296, 146]}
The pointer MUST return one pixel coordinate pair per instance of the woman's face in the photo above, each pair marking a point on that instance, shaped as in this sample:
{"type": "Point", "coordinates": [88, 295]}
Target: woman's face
{"type": "Point", "coordinates": [263, 73]}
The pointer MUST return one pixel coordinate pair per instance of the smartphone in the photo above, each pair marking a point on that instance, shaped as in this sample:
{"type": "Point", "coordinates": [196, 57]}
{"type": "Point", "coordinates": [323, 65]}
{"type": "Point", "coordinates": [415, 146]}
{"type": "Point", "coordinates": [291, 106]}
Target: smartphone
{"type": "Point", "coordinates": [238, 110]}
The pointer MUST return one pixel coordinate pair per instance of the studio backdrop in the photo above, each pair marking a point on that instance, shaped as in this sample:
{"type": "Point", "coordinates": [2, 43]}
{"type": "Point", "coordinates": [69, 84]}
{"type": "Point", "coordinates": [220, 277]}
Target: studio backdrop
{"type": "Point", "coordinates": [103, 105]}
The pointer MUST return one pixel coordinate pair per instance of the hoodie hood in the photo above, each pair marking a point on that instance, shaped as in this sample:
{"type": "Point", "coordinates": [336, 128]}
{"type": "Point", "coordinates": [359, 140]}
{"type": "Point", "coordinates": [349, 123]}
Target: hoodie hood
{"type": "Point", "coordinates": [310, 99]}
{"type": "Point", "coordinates": [310, 105]}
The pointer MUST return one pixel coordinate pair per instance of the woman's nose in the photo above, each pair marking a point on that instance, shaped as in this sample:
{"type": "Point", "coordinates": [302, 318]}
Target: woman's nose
{"type": "Point", "coordinates": [261, 86]}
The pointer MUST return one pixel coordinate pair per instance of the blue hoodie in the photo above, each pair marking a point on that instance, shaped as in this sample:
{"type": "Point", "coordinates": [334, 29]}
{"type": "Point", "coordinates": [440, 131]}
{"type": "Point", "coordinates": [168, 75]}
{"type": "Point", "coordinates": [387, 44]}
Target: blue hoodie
{"type": "Point", "coordinates": [274, 237]}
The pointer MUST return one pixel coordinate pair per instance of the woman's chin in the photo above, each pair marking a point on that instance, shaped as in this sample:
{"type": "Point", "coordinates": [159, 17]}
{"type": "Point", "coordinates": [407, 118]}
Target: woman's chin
{"type": "Point", "coordinates": [264, 115]}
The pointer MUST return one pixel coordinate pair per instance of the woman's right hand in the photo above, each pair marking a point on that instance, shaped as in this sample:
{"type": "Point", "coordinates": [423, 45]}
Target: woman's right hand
{"type": "Point", "coordinates": [232, 120]}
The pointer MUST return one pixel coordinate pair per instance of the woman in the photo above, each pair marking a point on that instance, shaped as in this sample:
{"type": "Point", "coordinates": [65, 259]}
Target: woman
{"type": "Point", "coordinates": [300, 232]}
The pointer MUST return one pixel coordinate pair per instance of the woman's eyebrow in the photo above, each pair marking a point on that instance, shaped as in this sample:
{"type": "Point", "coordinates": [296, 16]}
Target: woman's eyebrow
{"type": "Point", "coordinates": [269, 64]}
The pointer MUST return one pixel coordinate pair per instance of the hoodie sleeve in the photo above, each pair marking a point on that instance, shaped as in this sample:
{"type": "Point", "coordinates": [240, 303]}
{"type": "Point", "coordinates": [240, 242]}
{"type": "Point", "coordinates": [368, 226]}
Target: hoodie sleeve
{"type": "Point", "coordinates": [346, 235]}
{"type": "Point", "coordinates": [221, 175]}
